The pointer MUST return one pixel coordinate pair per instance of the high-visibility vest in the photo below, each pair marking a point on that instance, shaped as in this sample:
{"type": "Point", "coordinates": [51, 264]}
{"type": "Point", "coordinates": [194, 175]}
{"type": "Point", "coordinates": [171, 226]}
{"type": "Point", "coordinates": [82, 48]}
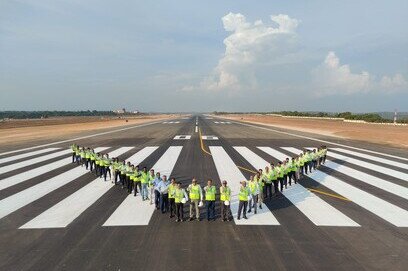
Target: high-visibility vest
{"type": "Point", "coordinates": [302, 161]}
{"type": "Point", "coordinates": [293, 166]}
{"type": "Point", "coordinates": [268, 176]}
{"type": "Point", "coordinates": [178, 195]}
{"type": "Point", "coordinates": [253, 187]}
{"type": "Point", "coordinates": [274, 174]}
{"type": "Point", "coordinates": [145, 177]}
{"type": "Point", "coordinates": [281, 171]}
{"type": "Point", "coordinates": [136, 176]}
{"type": "Point", "coordinates": [87, 154]}
{"type": "Point", "coordinates": [243, 194]}
{"type": "Point", "coordinates": [225, 193]}
{"type": "Point", "coordinates": [73, 148]}
{"type": "Point", "coordinates": [128, 171]}
{"type": "Point", "coordinates": [92, 156]}
{"type": "Point", "coordinates": [97, 160]}
{"type": "Point", "coordinates": [172, 189]}
{"type": "Point", "coordinates": [194, 192]}
{"type": "Point", "coordinates": [210, 193]}
{"type": "Point", "coordinates": [82, 153]}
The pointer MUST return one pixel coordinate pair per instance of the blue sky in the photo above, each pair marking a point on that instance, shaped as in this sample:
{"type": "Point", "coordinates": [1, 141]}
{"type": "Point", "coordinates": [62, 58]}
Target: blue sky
{"type": "Point", "coordinates": [204, 55]}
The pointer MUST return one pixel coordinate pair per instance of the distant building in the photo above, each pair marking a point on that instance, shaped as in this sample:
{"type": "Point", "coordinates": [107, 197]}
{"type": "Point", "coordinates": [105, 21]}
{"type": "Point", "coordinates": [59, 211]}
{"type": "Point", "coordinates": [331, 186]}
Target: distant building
{"type": "Point", "coordinates": [120, 111]}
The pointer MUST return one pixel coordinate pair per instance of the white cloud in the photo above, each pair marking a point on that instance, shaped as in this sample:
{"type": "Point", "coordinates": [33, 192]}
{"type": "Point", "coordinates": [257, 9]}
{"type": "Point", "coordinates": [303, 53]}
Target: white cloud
{"type": "Point", "coordinates": [249, 47]}
{"type": "Point", "coordinates": [330, 78]}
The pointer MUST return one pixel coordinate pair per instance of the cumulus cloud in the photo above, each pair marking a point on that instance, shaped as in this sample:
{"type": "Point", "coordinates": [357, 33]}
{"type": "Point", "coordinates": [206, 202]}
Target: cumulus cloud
{"type": "Point", "coordinates": [330, 77]}
{"type": "Point", "coordinates": [249, 47]}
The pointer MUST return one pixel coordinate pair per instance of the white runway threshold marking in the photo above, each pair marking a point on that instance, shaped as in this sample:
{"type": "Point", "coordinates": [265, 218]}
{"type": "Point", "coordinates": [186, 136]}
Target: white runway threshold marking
{"type": "Point", "coordinates": [228, 171]}
{"type": "Point", "coordinates": [182, 137]}
{"type": "Point", "coordinates": [126, 214]}
{"type": "Point", "coordinates": [363, 177]}
{"type": "Point", "coordinates": [63, 213]}
{"type": "Point", "coordinates": [33, 161]}
{"type": "Point", "coordinates": [209, 137]}
{"type": "Point", "coordinates": [25, 155]}
{"type": "Point", "coordinates": [314, 208]}
{"type": "Point", "coordinates": [35, 172]}
{"type": "Point", "coordinates": [373, 158]}
{"type": "Point", "coordinates": [387, 171]}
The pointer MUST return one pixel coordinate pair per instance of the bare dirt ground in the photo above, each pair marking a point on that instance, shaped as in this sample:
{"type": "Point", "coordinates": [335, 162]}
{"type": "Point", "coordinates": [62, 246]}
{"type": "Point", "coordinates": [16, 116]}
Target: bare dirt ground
{"type": "Point", "coordinates": [22, 131]}
{"type": "Point", "coordinates": [396, 136]}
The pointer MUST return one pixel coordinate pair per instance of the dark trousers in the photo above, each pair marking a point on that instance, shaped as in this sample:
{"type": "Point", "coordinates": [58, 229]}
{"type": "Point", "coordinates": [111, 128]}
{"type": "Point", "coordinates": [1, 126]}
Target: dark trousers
{"type": "Point", "coordinates": [78, 159]}
{"type": "Point", "coordinates": [73, 157]}
{"type": "Point", "coordinates": [101, 171]}
{"type": "Point", "coordinates": [86, 163]}
{"type": "Point", "coordinates": [116, 176]}
{"type": "Point", "coordinates": [179, 211]}
{"type": "Point", "coordinates": [92, 165]}
{"type": "Point", "coordinates": [302, 169]}
{"type": "Point", "coordinates": [314, 163]}
{"type": "Point", "coordinates": [281, 183]}
{"type": "Point", "coordinates": [105, 172]}
{"type": "Point", "coordinates": [157, 199]}
{"type": "Point", "coordinates": [136, 184]}
{"type": "Point", "coordinates": [164, 202]}
{"type": "Point", "coordinates": [225, 211]}
{"type": "Point", "coordinates": [285, 180]}
{"type": "Point", "coordinates": [243, 205]}
{"type": "Point", "coordinates": [324, 159]}
{"type": "Point", "coordinates": [291, 176]}
{"type": "Point", "coordinates": [268, 190]}
{"type": "Point", "coordinates": [275, 186]}
{"type": "Point", "coordinates": [129, 184]}
{"type": "Point", "coordinates": [210, 209]}
{"type": "Point", "coordinates": [122, 179]}
{"type": "Point", "coordinates": [172, 206]}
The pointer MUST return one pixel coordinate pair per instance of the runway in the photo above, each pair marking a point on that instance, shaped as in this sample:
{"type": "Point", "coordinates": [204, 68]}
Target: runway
{"type": "Point", "coordinates": [55, 215]}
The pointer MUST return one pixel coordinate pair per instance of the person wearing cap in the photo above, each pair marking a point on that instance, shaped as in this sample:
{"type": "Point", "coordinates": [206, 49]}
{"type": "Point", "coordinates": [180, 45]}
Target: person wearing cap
{"type": "Point", "coordinates": [196, 196]}
{"type": "Point", "coordinates": [253, 186]}
{"type": "Point", "coordinates": [163, 188]}
{"type": "Point", "coordinates": [243, 200]}
{"type": "Point", "coordinates": [180, 197]}
{"type": "Point", "coordinates": [172, 204]}
{"type": "Point", "coordinates": [210, 191]}
{"type": "Point", "coordinates": [225, 197]}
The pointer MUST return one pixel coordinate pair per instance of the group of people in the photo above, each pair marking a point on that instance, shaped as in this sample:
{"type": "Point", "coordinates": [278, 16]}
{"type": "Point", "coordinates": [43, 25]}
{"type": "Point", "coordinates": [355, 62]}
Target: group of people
{"type": "Point", "coordinates": [170, 196]}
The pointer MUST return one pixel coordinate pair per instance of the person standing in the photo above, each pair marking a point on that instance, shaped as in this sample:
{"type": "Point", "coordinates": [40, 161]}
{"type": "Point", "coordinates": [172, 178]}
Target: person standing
{"type": "Point", "coordinates": [73, 150]}
{"type": "Point", "coordinates": [151, 186]}
{"type": "Point", "coordinates": [243, 200]}
{"type": "Point", "coordinates": [107, 162]}
{"type": "Point", "coordinates": [145, 179]}
{"type": "Point", "coordinates": [136, 180]}
{"type": "Point", "coordinates": [155, 190]}
{"type": "Point", "coordinates": [180, 196]}
{"type": "Point", "coordinates": [253, 186]}
{"type": "Point", "coordinates": [281, 173]}
{"type": "Point", "coordinates": [92, 158]}
{"type": "Point", "coordinates": [172, 204]}
{"type": "Point", "coordinates": [225, 197]}
{"type": "Point", "coordinates": [274, 178]}
{"type": "Point", "coordinates": [128, 181]}
{"type": "Point", "coordinates": [122, 170]}
{"type": "Point", "coordinates": [196, 195]}
{"type": "Point", "coordinates": [292, 171]}
{"type": "Point", "coordinates": [268, 173]}
{"type": "Point", "coordinates": [259, 178]}
{"type": "Point", "coordinates": [210, 191]}
{"type": "Point", "coordinates": [163, 187]}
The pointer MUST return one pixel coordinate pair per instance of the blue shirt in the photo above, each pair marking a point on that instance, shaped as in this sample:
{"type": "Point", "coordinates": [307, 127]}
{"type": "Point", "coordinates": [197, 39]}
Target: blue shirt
{"type": "Point", "coordinates": [156, 182]}
{"type": "Point", "coordinates": [163, 186]}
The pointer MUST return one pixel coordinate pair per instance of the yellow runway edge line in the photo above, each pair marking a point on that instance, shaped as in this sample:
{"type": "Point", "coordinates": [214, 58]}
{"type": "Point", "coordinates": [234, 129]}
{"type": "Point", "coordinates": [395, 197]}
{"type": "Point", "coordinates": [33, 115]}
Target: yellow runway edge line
{"type": "Point", "coordinates": [328, 194]}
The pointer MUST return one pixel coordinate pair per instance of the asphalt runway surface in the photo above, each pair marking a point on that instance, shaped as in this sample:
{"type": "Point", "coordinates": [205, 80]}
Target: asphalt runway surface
{"type": "Point", "coordinates": [55, 215]}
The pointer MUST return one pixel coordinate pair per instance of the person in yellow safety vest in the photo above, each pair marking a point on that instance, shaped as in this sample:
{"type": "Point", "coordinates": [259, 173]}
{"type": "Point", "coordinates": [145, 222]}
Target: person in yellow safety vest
{"type": "Point", "coordinates": [274, 178]}
{"type": "Point", "coordinates": [260, 177]}
{"type": "Point", "coordinates": [87, 157]}
{"type": "Point", "coordinates": [98, 164]}
{"type": "Point", "coordinates": [122, 170]}
{"type": "Point", "coordinates": [115, 170]}
{"type": "Point", "coordinates": [243, 200]}
{"type": "Point", "coordinates": [314, 159]}
{"type": "Point", "coordinates": [196, 195]}
{"type": "Point", "coordinates": [128, 172]}
{"type": "Point", "coordinates": [225, 195]}
{"type": "Point", "coordinates": [179, 194]}
{"type": "Point", "coordinates": [73, 150]}
{"type": "Point", "coordinates": [287, 170]}
{"type": "Point", "coordinates": [106, 164]}
{"type": "Point", "coordinates": [145, 180]}
{"type": "Point", "coordinates": [324, 154]}
{"type": "Point", "coordinates": [154, 179]}
{"type": "Point", "coordinates": [254, 192]}
{"type": "Point", "coordinates": [297, 173]}
{"type": "Point", "coordinates": [308, 161]}
{"type": "Point", "coordinates": [136, 180]}
{"type": "Point", "coordinates": [268, 173]}
{"type": "Point", "coordinates": [78, 155]}
{"type": "Point", "coordinates": [92, 159]}
{"type": "Point", "coordinates": [302, 164]}
{"type": "Point", "coordinates": [292, 171]}
{"type": "Point", "coordinates": [172, 204]}
{"type": "Point", "coordinates": [210, 191]}
{"type": "Point", "coordinates": [82, 154]}
{"type": "Point", "coordinates": [281, 173]}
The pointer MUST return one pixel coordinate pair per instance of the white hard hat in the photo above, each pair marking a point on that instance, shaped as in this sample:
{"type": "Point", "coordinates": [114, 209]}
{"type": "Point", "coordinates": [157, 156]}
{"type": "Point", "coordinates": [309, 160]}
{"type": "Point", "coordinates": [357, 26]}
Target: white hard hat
{"type": "Point", "coordinates": [183, 200]}
{"type": "Point", "coordinates": [200, 204]}
{"type": "Point", "coordinates": [227, 202]}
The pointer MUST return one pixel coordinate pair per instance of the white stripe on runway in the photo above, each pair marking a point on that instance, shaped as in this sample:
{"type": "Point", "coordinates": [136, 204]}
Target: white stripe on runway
{"type": "Point", "coordinates": [135, 212]}
{"type": "Point", "coordinates": [314, 208]}
{"type": "Point", "coordinates": [27, 175]}
{"type": "Point", "coordinates": [22, 198]}
{"type": "Point", "coordinates": [374, 167]}
{"type": "Point", "coordinates": [387, 211]}
{"type": "Point", "coordinates": [363, 177]}
{"type": "Point", "coordinates": [373, 158]}
{"type": "Point", "coordinates": [274, 153]}
{"type": "Point", "coordinates": [24, 155]}
{"type": "Point", "coordinates": [32, 161]}
{"type": "Point", "coordinates": [67, 210]}
{"type": "Point", "coordinates": [228, 171]}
